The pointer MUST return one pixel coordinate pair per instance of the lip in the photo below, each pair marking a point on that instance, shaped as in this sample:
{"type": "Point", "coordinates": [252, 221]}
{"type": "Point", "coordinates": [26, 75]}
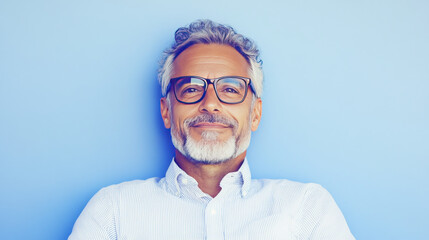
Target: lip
{"type": "Point", "coordinates": [210, 125]}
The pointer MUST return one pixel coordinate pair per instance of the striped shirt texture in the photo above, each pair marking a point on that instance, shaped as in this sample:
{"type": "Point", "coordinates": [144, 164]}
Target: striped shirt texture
{"type": "Point", "coordinates": [174, 207]}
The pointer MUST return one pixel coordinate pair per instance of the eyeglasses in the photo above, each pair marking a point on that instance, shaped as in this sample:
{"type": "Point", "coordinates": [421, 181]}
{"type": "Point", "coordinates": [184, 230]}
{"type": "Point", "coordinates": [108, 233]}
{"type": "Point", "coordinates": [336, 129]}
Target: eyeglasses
{"type": "Point", "coordinates": [192, 89]}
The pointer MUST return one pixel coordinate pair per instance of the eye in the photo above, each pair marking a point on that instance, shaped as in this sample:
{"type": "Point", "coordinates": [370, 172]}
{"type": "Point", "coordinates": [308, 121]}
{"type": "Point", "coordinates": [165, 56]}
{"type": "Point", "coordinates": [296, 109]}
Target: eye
{"type": "Point", "coordinates": [230, 90]}
{"type": "Point", "coordinates": [190, 90]}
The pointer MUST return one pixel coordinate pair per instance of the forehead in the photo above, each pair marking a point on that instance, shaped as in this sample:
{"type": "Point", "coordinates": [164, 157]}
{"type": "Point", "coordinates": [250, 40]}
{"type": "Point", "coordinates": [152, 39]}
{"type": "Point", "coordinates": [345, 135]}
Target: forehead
{"type": "Point", "coordinates": [210, 61]}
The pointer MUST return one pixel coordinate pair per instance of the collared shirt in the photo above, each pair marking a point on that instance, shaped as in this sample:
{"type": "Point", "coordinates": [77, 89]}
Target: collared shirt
{"type": "Point", "coordinates": [174, 207]}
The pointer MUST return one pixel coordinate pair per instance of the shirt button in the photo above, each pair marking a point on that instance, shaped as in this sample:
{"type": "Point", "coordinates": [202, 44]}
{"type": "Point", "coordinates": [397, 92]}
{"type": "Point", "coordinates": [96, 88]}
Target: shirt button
{"type": "Point", "coordinates": [213, 212]}
{"type": "Point", "coordinates": [185, 181]}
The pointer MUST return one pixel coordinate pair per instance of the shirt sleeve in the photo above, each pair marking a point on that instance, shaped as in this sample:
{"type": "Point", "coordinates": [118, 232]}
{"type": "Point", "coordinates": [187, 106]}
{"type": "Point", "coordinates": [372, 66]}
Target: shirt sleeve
{"type": "Point", "coordinates": [97, 220]}
{"type": "Point", "coordinates": [327, 221]}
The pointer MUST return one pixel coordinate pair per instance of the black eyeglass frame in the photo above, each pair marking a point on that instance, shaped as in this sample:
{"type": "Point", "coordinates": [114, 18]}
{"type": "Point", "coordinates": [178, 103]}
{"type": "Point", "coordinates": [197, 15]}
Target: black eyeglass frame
{"type": "Point", "coordinates": [212, 81]}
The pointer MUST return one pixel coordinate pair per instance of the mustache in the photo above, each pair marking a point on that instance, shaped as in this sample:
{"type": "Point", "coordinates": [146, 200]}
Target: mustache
{"type": "Point", "coordinates": [211, 118]}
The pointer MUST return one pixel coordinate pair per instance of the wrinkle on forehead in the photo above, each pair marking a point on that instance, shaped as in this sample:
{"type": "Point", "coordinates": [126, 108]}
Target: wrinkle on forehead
{"type": "Point", "coordinates": [210, 61]}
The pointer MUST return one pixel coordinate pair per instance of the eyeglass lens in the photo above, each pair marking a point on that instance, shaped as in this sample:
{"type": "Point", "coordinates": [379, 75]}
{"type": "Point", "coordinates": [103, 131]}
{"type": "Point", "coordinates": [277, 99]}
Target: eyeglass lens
{"type": "Point", "coordinates": [229, 90]}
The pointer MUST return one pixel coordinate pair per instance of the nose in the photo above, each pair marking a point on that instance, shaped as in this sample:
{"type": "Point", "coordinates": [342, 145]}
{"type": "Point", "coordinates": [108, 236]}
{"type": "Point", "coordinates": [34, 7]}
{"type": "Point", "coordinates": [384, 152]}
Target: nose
{"type": "Point", "coordinates": [210, 103]}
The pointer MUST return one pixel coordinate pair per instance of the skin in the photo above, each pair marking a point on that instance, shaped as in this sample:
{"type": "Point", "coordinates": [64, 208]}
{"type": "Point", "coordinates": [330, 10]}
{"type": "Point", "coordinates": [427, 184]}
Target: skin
{"type": "Point", "coordinates": [211, 61]}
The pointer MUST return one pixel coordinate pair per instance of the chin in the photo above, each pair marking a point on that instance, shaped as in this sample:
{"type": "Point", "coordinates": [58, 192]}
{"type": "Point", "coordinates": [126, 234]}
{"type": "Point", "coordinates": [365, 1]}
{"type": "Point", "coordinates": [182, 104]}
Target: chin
{"type": "Point", "coordinates": [209, 149]}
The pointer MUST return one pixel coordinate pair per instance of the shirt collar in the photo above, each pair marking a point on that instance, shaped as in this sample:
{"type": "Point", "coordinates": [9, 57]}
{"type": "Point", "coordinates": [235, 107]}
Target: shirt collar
{"type": "Point", "coordinates": [175, 177]}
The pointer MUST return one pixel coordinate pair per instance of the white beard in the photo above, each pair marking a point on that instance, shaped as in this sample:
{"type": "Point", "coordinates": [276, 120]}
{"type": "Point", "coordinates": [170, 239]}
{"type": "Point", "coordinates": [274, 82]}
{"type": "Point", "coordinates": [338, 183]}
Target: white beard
{"type": "Point", "coordinates": [210, 150]}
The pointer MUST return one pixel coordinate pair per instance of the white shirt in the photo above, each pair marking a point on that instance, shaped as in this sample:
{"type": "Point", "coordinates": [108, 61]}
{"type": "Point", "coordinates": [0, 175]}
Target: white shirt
{"type": "Point", "coordinates": [174, 207]}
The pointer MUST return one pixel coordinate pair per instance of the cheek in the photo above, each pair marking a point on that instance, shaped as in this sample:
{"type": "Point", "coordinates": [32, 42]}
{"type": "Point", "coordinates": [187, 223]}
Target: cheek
{"type": "Point", "coordinates": [179, 115]}
{"type": "Point", "coordinates": [243, 119]}
{"type": "Point", "coordinates": [178, 123]}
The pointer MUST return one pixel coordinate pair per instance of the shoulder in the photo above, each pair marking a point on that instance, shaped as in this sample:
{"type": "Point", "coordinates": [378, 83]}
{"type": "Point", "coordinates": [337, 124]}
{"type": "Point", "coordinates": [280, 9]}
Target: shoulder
{"type": "Point", "coordinates": [129, 188]}
{"type": "Point", "coordinates": [312, 202]}
{"type": "Point", "coordinates": [150, 182]}
{"type": "Point", "coordinates": [287, 186]}
{"type": "Point", "coordinates": [291, 193]}
{"type": "Point", "coordinates": [310, 205]}
{"type": "Point", "coordinates": [314, 210]}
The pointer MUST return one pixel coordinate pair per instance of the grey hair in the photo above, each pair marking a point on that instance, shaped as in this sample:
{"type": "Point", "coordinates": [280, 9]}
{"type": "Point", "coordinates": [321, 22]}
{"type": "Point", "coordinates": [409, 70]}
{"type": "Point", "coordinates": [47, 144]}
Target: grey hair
{"type": "Point", "coordinates": [209, 32]}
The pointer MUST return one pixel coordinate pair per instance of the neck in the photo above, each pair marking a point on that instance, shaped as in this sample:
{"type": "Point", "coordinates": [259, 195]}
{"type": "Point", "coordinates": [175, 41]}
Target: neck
{"type": "Point", "coordinates": [209, 176]}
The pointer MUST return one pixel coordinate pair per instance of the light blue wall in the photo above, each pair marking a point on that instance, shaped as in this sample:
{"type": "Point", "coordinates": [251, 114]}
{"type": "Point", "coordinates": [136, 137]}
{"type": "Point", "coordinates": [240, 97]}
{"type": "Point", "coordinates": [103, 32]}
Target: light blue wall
{"type": "Point", "coordinates": [346, 104]}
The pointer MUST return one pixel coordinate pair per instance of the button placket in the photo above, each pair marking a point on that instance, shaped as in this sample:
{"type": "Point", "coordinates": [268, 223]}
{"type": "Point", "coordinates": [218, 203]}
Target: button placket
{"type": "Point", "coordinates": [213, 217]}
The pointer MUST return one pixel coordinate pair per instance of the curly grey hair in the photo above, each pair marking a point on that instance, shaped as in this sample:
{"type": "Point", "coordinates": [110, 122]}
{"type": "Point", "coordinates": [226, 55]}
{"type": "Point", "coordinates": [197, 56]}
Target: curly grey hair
{"type": "Point", "coordinates": [207, 32]}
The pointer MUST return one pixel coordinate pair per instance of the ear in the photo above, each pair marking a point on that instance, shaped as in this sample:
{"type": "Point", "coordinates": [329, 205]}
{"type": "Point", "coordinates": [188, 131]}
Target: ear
{"type": "Point", "coordinates": [256, 114]}
{"type": "Point", "coordinates": [165, 112]}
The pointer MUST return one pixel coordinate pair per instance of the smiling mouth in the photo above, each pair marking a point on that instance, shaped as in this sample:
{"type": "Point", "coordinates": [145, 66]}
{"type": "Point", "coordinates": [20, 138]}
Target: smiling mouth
{"type": "Point", "coordinates": [209, 125]}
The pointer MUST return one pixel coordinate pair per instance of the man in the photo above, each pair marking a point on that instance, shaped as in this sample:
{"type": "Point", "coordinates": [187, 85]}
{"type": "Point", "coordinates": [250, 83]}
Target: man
{"type": "Point", "coordinates": [211, 80]}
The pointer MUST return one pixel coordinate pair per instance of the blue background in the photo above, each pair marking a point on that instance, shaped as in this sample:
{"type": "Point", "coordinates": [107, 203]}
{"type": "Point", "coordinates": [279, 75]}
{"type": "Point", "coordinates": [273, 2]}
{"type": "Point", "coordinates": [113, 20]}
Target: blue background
{"type": "Point", "coordinates": [346, 104]}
